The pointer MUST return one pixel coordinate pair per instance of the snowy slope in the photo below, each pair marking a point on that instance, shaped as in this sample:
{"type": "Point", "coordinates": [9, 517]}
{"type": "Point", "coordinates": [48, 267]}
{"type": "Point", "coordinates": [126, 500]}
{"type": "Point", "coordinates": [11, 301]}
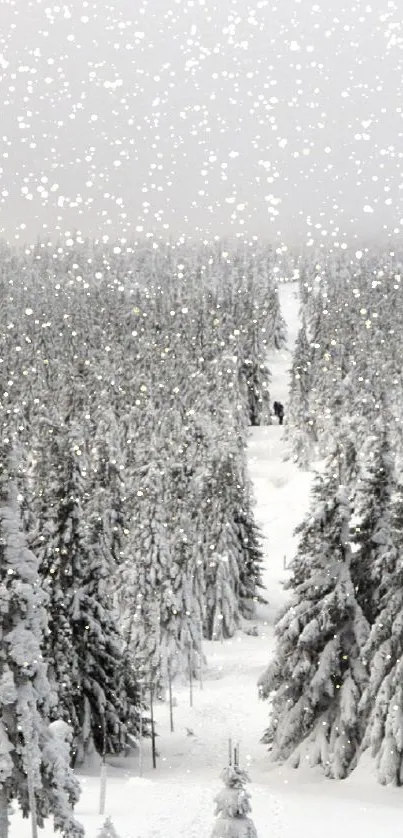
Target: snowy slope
{"type": "Point", "coordinates": [176, 800]}
{"type": "Point", "coordinates": [281, 490]}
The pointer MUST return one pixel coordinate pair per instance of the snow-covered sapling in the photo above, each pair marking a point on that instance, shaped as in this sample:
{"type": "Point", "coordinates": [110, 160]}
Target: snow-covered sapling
{"type": "Point", "coordinates": [233, 806]}
{"type": "Point", "coordinates": [108, 830]}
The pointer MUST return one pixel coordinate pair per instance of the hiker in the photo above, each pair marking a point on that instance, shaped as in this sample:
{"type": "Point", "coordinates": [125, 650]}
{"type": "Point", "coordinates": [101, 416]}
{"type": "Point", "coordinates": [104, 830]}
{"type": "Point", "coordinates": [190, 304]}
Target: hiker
{"type": "Point", "coordinates": [279, 412]}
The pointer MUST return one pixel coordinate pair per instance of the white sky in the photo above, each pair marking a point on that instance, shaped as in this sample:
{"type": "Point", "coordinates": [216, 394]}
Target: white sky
{"type": "Point", "coordinates": [201, 118]}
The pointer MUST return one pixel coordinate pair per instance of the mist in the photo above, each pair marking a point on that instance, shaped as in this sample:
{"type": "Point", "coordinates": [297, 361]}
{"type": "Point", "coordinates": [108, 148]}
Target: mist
{"type": "Point", "coordinates": [198, 119]}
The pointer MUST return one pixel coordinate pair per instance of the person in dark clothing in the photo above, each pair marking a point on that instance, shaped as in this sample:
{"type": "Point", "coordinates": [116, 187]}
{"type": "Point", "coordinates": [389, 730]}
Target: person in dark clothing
{"type": "Point", "coordinates": [279, 412]}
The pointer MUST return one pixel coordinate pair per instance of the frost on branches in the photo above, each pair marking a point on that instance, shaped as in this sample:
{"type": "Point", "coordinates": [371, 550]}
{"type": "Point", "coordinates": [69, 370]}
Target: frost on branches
{"type": "Point", "coordinates": [28, 749]}
{"type": "Point", "coordinates": [382, 702]}
{"type": "Point", "coordinates": [233, 806]}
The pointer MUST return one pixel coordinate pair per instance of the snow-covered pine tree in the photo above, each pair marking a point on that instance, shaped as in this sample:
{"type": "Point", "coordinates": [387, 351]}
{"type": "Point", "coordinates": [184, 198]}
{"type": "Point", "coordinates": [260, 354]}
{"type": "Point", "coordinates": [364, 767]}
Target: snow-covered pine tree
{"type": "Point", "coordinates": [233, 806]}
{"type": "Point", "coordinates": [108, 830]}
{"type": "Point", "coordinates": [277, 337]}
{"type": "Point", "coordinates": [248, 538]}
{"type": "Point", "coordinates": [382, 701]}
{"type": "Point", "coordinates": [181, 607]}
{"type": "Point", "coordinates": [28, 751]}
{"type": "Point", "coordinates": [318, 674]}
{"type": "Point", "coordinates": [108, 484]}
{"type": "Point", "coordinates": [161, 586]}
{"type": "Point", "coordinates": [61, 785]}
{"type": "Point", "coordinates": [251, 561]}
{"type": "Point", "coordinates": [253, 309]}
{"type": "Point", "coordinates": [322, 376]}
{"type": "Point", "coordinates": [105, 709]}
{"type": "Point", "coordinates": [256, 378]}
{"type": "Point", "coordinates": [58, 510]}
{"type": "Point", "coordinates": [84, 646]}
{"type": "Point", "coordinates": [371, 531]}
{"type": "Point", "coordinates": [230, 540]}
{"type": "Point", "coordinates": [221, 548]}
{"type": "Point", "coordinates": [142, 575]}
{"type": "Point", "coordinates": [300, 429]}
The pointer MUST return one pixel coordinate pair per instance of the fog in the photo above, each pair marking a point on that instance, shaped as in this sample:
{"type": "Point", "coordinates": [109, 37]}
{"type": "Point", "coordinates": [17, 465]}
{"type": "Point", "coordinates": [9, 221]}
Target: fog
{"type": "Point", "coordinates": [197, 118]}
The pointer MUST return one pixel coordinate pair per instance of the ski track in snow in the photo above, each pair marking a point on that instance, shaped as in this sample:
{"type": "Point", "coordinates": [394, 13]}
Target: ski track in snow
{"type": "Point", "coordinates": [177, 800]}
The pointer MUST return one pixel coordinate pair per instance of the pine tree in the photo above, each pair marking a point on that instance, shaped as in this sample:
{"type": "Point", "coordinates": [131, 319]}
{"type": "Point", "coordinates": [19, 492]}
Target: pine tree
{"type": "Point", "coordinates": [182, 609]}
{"type": "Point", "coordinates": [301, 425]}
{"type": "Point", "coordinates": [278, 328]}
{"type": "Point", "coordinates": [142, 575]}
{"type": "Point", "coordinates": [256, 378]}
{"type": "Point", "coordinates": [382, 701]}
{"type": "Point", "coordinates": [318, 674]}
{"type": "Point", "coordinates": [221, 549]}
{"type": "Point", "coordinates": [108, 830]}
{"type": "Point", "coordinates": [251, 561]}
{"type": "Point", "coordinates": [108, 494]}
{"type": "Point", "coordinates": [371, 531]}
{"type": "Point", "coordinates": [58, 511]}
{"type": "Point", "coordinates": [84, 645]}
{"type": "Point", "coordinates": [28, 762]}
{"type": "Point", "coordinates": [61, 784]}
{"type": "Point", "coordinates": [248, 538]}
{"type": "Point", "coordinates": [233, 806]}
{"type": "Point", "coordinates": [232, 553]}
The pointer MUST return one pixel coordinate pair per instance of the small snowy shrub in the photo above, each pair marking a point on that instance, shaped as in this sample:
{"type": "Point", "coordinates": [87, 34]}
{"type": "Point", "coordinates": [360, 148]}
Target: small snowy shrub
{"type": "Point", "coordinates": [108, 830]}
{"type": "Point", "coordinates": [233, 806]}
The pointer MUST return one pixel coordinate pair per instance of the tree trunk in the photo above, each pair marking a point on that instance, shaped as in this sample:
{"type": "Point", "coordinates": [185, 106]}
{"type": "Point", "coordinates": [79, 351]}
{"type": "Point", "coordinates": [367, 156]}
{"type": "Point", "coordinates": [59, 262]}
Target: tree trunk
{"type": "Point", "coordinates": [3, 813]}
{"type": "Point", "coordinates": [32, 804]}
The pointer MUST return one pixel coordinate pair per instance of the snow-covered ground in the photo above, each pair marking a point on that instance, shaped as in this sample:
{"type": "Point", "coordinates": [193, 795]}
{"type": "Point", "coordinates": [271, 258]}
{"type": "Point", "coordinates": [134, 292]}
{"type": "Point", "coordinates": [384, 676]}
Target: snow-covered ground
{"type": "Point", "coordinates": [176, 800]}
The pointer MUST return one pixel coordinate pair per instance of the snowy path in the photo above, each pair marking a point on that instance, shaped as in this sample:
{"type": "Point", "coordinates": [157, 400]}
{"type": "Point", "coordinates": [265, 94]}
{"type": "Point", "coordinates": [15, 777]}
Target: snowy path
{"type": "Point", "coordinates": [176, 801]}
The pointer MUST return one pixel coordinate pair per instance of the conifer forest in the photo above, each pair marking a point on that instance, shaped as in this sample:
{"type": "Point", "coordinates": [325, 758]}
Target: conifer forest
{"type": "Point", "coordinates": [128, 385]}
{"type": "Point", "coordinates": [201, 419]}
{"type": "Point", "coordinates": [130, 382]}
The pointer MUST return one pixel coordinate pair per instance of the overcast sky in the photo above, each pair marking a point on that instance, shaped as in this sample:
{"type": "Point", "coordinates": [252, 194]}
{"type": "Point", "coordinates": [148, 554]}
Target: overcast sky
{"type": "Point", "coordinates": [201, 118]}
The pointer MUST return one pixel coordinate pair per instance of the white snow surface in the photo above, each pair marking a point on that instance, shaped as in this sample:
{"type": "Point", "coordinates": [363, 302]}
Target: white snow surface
{"type": "Point", "coordinates": [177, 799]}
